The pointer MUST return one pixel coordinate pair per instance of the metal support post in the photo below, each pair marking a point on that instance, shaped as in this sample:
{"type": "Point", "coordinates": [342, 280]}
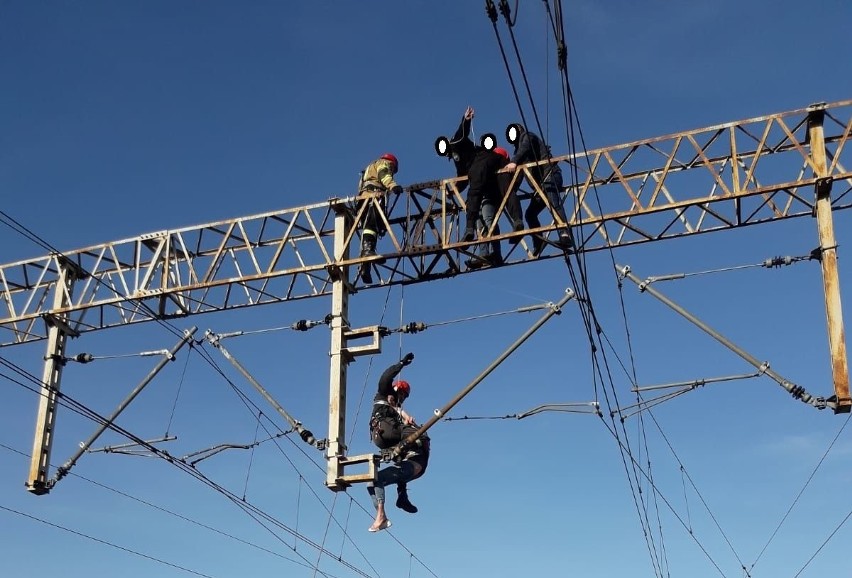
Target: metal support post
{"type": "Point", "coordinates": [339, 357]}
{"type": "Point", "coordinates": [828, 252]}
{"type": "Point", "coordinates": [796, 391]}
{"type": "Point", "coordinates": [58, 332]}
{"type": "Point", "coordinates": [63, 470]}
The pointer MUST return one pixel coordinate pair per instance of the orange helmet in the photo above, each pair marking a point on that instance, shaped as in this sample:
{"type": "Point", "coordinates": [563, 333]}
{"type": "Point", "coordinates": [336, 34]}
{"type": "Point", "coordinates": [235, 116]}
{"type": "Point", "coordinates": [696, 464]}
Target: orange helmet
{"type": "Point", "coordinates": [502, 152]}
{"type": "Point", "coordinates": [402, 387]}
{"type": "Point", "coordinates": [391, 158]}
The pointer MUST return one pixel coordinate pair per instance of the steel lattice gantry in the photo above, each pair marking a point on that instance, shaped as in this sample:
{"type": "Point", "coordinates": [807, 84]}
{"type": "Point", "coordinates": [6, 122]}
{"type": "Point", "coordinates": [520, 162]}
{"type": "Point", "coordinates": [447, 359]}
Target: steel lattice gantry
{"type": "Point", "coordinates": [764, 169]}
{"type": "Point", "coordinates": [730, 175]}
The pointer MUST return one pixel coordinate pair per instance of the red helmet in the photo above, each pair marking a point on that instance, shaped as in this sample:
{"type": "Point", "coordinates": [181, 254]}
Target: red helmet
{"type": "Point", "coordinates": [502, 152]}
{"type": "Point", "coordinates": [402, 387]}
{"type": "Point", "coordinates": [391, 158]}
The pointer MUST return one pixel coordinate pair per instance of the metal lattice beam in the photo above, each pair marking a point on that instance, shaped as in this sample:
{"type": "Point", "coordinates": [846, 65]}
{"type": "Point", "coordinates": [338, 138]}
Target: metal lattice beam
{"type": "Point", "coordinates": [731, 175]}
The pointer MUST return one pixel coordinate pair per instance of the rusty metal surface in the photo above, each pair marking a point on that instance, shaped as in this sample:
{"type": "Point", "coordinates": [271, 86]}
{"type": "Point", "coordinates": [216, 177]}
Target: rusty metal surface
{"type": "Point", "coordinates": [730, 175]}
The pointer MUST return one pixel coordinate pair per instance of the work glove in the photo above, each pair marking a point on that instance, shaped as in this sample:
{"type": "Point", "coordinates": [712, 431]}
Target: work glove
{"type": "Point", "coordinates": [397, 190]}
{"type": "Point", "coordinates": [409, 357]}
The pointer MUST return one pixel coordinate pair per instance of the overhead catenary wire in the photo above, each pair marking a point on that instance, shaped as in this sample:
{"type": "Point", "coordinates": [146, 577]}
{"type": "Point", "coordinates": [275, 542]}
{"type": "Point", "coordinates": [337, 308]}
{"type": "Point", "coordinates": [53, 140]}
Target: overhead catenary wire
{"type": "Point", "coordinates": [129, 448]}
{"type": "Point", "coordinates": [306, 434]}
{"type": "Point", "coordinates": [643, 404]}
{"type": "Point", "coordinates": [556, 309]}
{"type": "Point", "coordinates": [586, 308]}
{"type": "Point", "coordinates": [769, 263]}
{"type": "Point", "coordinates": [826, 541]}
{"type": "Point", "coordinates": [179, 387]}
{"type": "Point", "coordinates": [799, 495]}
{"type": "Point", "coordinates": [668, 504]}
{"type": "Point", "coordinates": [418, 326]}
{"type": "Point", "coordinates": [171, 512]}
{"type": "Point", "coordinates": [105, 542]}
{"type": "Point", "coordinates": [311, 458]}
{"type": "Point", "coordinates": [253, 512]}
{"type": "Point", "coordinates": [64, 468]}
{"type": "Point", "coordinates": [796, 391]}
{"type": "Point", "coordinates": [684, 472]}
{"type": "Point", "coordinates": [591, 407]}
{"type": "Point", "coordinates": [261, 517]}
{"type": "Point", "coordinates": [300, 325]}
{"type": "Point", "coordinates": [250, 406]}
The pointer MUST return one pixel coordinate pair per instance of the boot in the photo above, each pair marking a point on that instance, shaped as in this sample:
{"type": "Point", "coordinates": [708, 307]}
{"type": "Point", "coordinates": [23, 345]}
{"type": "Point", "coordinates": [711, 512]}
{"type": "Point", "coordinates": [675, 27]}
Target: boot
{"type": "Point", "coordinates": [566, 240]}
{"type": "Point", "coordinates": [365, 273]}
{"type": "Point", "coordinates": [368, 248]}
{"type": "Point", "coordinates": [476, 262]}
{"type": "Point", "coordinates": [538, 245]}
{"type": "Point", "coordinates": [487, 260]}
{"type": "Point", "coordinates": [469, 235]}
{"type": "Point", "coordinates": [402, 501]}
{"type": "Point", "coordinates": [517, 227]}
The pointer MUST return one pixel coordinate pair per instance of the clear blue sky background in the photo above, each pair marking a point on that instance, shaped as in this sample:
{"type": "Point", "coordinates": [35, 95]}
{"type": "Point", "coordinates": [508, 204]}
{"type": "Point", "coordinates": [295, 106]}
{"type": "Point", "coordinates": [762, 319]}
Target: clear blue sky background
{"type": "Point", "coordinates": [120, 118]}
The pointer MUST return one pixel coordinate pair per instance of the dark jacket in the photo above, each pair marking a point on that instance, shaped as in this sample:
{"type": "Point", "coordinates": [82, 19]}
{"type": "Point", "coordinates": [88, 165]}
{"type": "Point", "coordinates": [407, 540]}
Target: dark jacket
{"type": "Point", "coordinates": [462, 149]}
{"type": "Point", "coordinates": [484, 179]}
{"type": "Point", "coordinates": [530, 149]}
{"type": "Point", "coordinates": [386, 382]}
{"type": "Point", "coordinates": [386, 421]}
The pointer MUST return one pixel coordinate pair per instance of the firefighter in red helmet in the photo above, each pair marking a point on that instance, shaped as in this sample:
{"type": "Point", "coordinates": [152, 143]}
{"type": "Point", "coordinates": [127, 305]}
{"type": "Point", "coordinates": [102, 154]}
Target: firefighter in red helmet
{"type": "Point", "coordinates": [389, 419]}
{"type": "Point", "coordinates": [376, 181]}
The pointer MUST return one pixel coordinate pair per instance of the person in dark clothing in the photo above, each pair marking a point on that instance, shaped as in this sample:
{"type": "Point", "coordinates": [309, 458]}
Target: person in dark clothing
{"type": "Point", "coordinates": [389, 419]}
{"type": "Point", "coordinates": [529, 148]}
{"type": "Point", "coordinates": [410, 465]}
{"type": "Point", "coordinates": [486, 191]}
{"type": "Point", "coordinates": [483, 199]}
{"type": "Point", "coordinates": [462, 150]}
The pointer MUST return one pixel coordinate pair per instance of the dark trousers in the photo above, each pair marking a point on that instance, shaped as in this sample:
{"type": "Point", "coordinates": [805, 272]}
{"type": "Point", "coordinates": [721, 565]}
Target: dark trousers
{"type": "Point", "coordinates": [371, 222]}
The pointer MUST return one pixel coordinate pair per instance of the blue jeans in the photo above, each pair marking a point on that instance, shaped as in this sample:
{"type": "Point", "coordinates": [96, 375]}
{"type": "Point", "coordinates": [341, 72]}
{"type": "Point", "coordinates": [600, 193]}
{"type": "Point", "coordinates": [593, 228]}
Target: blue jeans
{"type": "Point", "coordinates": [403, 472]}
{"type": "Point", "coordinates": [487, 215]}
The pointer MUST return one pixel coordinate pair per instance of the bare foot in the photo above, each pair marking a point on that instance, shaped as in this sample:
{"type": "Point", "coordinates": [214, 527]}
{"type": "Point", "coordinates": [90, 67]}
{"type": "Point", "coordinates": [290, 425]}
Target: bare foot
{"type": "Point", "coordinates": [384, 524]}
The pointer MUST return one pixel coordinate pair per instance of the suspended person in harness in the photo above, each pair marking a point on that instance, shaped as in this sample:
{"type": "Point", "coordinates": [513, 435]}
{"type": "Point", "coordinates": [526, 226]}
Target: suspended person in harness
{"type": "Point", "coordinates": [410, 465]}
{"type": "Point", "coordinates": [529, 148]}
{"type": "Point", "coordinates": [377, 180]}
{"type": "Point", "coordinates": [389, 419]}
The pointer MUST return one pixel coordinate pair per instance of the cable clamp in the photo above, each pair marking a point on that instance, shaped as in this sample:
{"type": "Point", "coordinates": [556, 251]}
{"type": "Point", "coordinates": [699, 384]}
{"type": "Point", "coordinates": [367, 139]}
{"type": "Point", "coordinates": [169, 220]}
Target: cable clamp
{"type": "Point", "coordinates": [413, 327]}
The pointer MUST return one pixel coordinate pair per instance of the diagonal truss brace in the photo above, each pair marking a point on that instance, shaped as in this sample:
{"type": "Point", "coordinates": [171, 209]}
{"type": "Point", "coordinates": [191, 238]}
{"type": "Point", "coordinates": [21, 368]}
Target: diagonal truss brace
{"type": "Point", "coordinates": [730, 175]}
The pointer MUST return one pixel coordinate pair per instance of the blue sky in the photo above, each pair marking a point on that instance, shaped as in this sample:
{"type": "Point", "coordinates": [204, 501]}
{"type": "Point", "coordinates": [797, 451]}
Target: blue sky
{"type": "Point", "coordinates": [121, 118]}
